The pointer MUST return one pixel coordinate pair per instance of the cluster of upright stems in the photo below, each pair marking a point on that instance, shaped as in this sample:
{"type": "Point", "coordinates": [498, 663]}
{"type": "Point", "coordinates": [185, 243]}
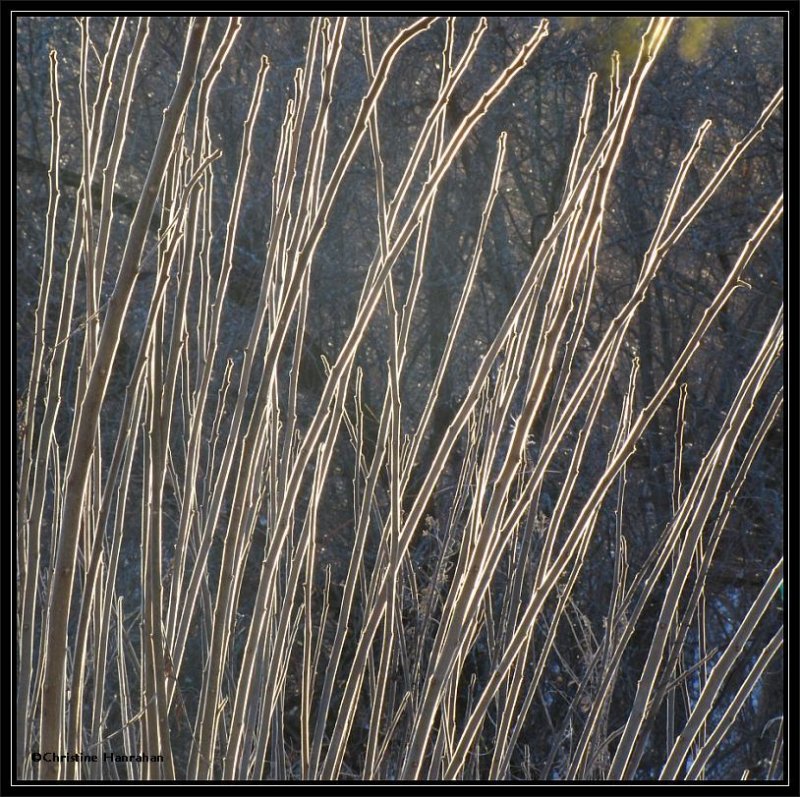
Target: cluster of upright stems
{"type": "Point", "coordinates": [228, 442]}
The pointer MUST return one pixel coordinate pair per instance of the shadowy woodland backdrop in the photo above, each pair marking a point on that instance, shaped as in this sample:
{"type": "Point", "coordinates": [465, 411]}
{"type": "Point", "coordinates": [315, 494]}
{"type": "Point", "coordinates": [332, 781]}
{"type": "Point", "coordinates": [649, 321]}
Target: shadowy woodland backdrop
{"type": "Point", "coordinates": [400, 398]}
